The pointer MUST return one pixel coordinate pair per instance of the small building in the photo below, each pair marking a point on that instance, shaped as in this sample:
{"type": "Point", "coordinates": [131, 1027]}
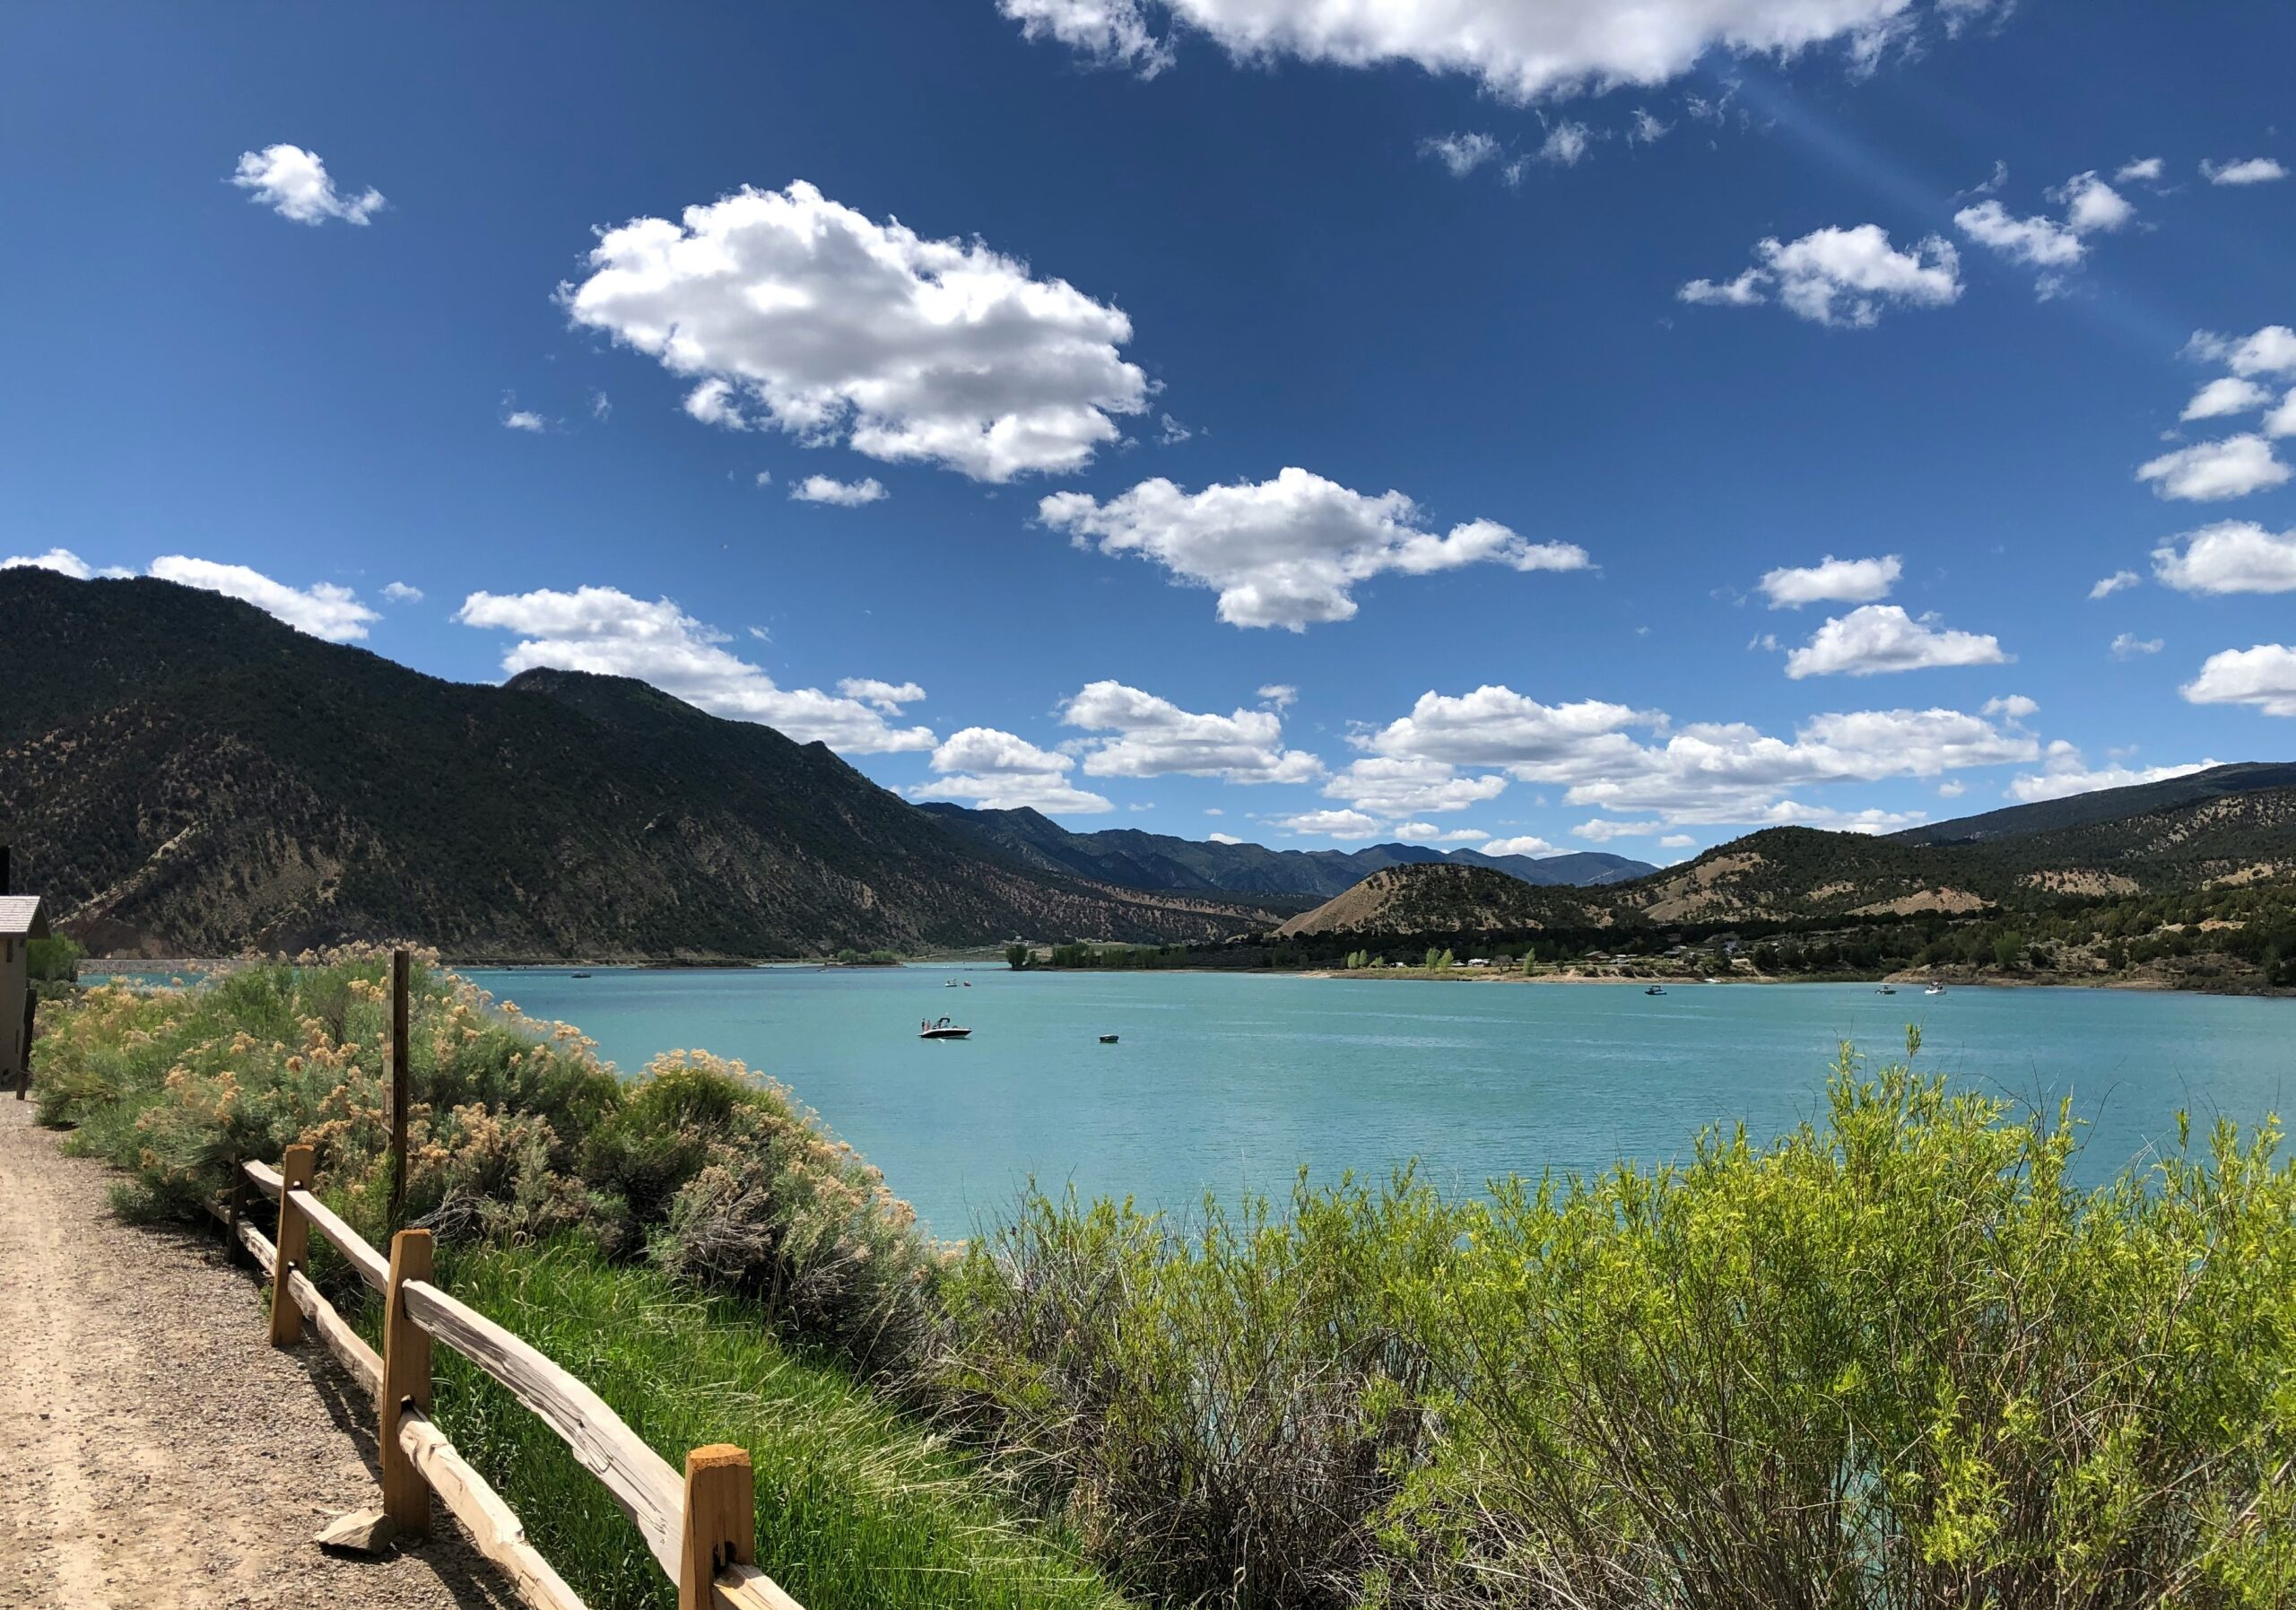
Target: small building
{"type": "Point", "coordinates": [21, 922]}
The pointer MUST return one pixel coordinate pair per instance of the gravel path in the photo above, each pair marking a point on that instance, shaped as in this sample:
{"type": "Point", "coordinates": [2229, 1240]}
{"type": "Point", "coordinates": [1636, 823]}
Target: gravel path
{"type": "Point", "coordinates": [155, 1450]}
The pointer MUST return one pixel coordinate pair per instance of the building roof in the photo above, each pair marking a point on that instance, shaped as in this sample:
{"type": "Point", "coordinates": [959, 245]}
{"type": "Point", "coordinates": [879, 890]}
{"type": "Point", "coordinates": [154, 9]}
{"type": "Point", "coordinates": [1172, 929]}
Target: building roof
{"type": "Point", "coordinates": [21, 917]}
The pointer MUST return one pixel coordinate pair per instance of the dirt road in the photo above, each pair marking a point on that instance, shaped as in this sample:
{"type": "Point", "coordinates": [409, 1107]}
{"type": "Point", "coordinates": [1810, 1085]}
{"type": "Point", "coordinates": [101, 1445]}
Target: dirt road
{"type": "Point", "coordinates": [155, 1451]}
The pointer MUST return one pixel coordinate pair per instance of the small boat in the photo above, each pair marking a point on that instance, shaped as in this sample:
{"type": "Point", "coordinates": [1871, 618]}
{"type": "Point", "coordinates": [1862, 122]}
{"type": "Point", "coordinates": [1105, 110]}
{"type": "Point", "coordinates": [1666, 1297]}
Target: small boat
{"type": "Point", "coordinates": [948, 983]}
{"type": "Point", "coordinates": [942, 1029]}
{"type": "Point", "coordinates": [581, 975]}
{"type": "Point", "coordinates": [1654, 989]}
{"type": "Point", "coordinates": [1108, 1040]}
{"type": "Point", "coordinates": [1886, 989]}
{"type": "Point", "coordinates": [1935, 989]}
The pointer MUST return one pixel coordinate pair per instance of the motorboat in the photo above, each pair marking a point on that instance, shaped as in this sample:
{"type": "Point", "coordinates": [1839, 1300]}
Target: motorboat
{"type": "Point", "coordinates": [581, 975]}
{"type": "Point", "coordinates": [942, 1030]}
{"type": "Point", "coordinates": [1886, 989]}
{"type": "Point", "coordinates": [1108, 1040]}
{"type": "Point", "coordinates": [1935, 989]}
{"type": "Point", "coordinates": [1655, 989]}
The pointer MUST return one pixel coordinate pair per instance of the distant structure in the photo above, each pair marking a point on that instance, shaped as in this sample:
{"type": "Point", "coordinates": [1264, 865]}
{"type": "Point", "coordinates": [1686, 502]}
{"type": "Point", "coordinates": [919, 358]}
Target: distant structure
{"type": "Point", "coordinates": [21, 922]}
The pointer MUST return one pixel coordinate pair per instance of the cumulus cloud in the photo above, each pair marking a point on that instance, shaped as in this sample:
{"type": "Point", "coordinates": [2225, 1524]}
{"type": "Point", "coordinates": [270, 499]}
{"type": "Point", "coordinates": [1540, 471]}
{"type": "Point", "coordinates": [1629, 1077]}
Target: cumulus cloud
{"type": "Point", "coordinates": [1839, 277]}
{"type": "Point", "coordinates": [2063, 773]}
{"type": "Point", "coordinates": [1703, 773]}
{"type": "Point", "coordinates": [605, 631]}
{"type": "Point", "coordinates": [1391, 785]}
{"type": "Point", "coordinates": [2209, 472]}
{"type": "Point", "coordinates": [1461, 153]}
{"type": "Point", "coordinates": [2012, 708]}
{"type": "Point", "coordinates": [831, 326]}
{"type": "Point", "coordinates": [524, 418]}
{"type": "Point", "coordinates": [1289, 552]}
{"type": "Point", "coordinates": [996, 771]}
{"type": "Point", "coordinates": [2129, 646]}
{"type": "Point", "coordinates": [2227, 394]}
{"type": "Point", "coordinates": [1526, 845]}
{"type": "Point", "coordinates": [1833, 581]}
{"type": "Point", "coordinates": [293, 183]}
{"type": "Point", "coordinates": [2140, 170]}
{"type": "Point", "coordinates": [886, 696]}
{"type": "Point", "coordinates": [324, 610]}
{"type": "Point", "coordinates": [2090, 206]}
{"type": "Point", "coordinates": [2105, 586]}
{"type": "Point", "coordinates": [1282, 695]}
{"type": "Point", "coordinates": [1344, 825]}
{"type": "Point", "coordinates": [62, 560]}
{"type": "Point", "coordinates": [843, 494]}
{"type": "Point", "coordinates": [2281, 420]}
{"type": "Point", "coordinates": [1646, 129]}
{"type": "Point", "coordinates": [2263, 676]}
{"type": "Point", "coordinates": [1155, 737]}
{"type": "Point", "coordinates": [1518, 50]}
{"type": "Point", "coordinates": [1565, 145]}
{"type": "Point", "coordinates": [399, 592]}
{"type": "Point", "coordinates": [1222, 839]}
{"type": "Point", "coordinates": [2246, 171]}
{"type": "Point", "coordinates": [2270, 351]}
{"type": "Point", "coordinates": [1881, 638]}
{"type": "Point", "coordinates": [2232, 556]}
{"type": "Point", "coordinates": [1428, 832]}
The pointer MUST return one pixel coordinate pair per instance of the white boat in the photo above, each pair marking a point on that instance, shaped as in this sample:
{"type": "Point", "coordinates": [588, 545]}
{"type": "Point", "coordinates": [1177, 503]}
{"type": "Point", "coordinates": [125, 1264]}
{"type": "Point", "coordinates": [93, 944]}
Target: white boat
{"type": "Point", "coordinates": [1935, 989]}
{"type": "Point", "coordinates": [942, 1029]}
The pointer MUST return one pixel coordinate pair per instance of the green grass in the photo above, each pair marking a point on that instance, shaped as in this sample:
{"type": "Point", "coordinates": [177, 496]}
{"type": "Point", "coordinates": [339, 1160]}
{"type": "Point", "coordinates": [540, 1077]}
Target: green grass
{"type": "Point", "coordinates": [858, 1507]}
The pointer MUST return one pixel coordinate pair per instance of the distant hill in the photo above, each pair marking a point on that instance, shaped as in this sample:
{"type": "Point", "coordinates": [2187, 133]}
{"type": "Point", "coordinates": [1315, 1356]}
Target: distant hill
{"type": "Point", "coordinates": [2213, 837]}
{"type": "Point", "coordinates": [1443, 897]}
{"type": "Point", "coordinates": [2105, 805]}
{"type": "Point", "coordinates": [182, 774]}
{"type": "Point", "coordinates": [1159, 861]}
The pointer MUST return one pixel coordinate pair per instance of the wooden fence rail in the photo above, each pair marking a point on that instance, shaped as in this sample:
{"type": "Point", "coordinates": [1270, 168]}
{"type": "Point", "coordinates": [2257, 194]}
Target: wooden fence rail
{"type": "Point", "coordinates": [700, 1529]}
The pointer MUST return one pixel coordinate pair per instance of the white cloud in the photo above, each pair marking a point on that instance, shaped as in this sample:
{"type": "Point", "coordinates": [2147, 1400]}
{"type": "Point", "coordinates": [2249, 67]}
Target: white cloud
{"type": "Point", "coordinates": [1881, 638]}
{"type": "Point", "coordinates": [1527, 845]}
{"type": "Point", "coordinates": [601, 406]}
{"type": "Point", "coordinates": [2141, 169]}
{"type": "Point", "coordinates": [1704, 773]}
{"type": "Point", "coordinates": [2091, 205]}
{"type": "Point", "coordinates": [2248, 171]}
{"type": "Point", "coordinates": [2263, 676]}
{"type": "Point", "coordinates": [323, 609]}
{"type": "Point", "coordinates": [2227, 394]}
{"type": "Point", "coordinates": [2208, 472]}
{"type": "Point", "coordinates": [2012, 708]}
{"type": "Point", "coordinates": [1288, 552]}
{"type": "Point", "coordinates": [1676, 841]}
{"type": "Point", "coordinates": [1833, 581]}
{"type": "Point", "coordinates": [399, 592]}
{"type": "Point", "coordinates": [997, 770]}
{"type": "Point", "coordinates": [886, 696]}
{"type": "Point", "coordinates": [762, 478]}
{"type": "Point", "coordinates": [2128, 646]}
{"type": "Point", "coordinates": [1343, 825]}
{"type": "Point", "coordinates": [1953, 788]}
{"type": "Point", "coordinates": [1224, 839]}
{"type": "Point", "coordinates": [1646, 129]}
{"type": "Point", "coordinates": [843, 494]}
{"type": "Point", "coordinates": [1391, 785]}
{"type": "Point", "coordinates": [2281, 420]}
{"type": "Point", "coordinates": [1428, 832]}
{"type": "Point", "coordinates": [834, 327]}
{"type": "Point", "coordinates": [1155, 737]}
{"type": "Point", "coordinates": [2064, 773]}
{"type": "Point", "coordinates": [605, 631]}
{"type": "Point", "coordinates": [2042, 242]}
{"type": "Point", "coordinates": [1522, 51]}
{"type": "Point", "coordinates": [1461, 153]}
{"type": "Point", "coordinates": [2270, 351]}
{"type": "Point", "coordinates": [293, 183]}
{"type": "Point", "coordinates": [2232, 556]}
{"type": "Point", "coordinates": [524, 418]}
{"type": "Point", "coordinates": [1283, 695]}
{"type": "Point", "coordinates": [62, 560]}
{"type": "Point", "coordinates": [2119, 581]}
{"type": "Point", "coordinates": [1566, 144]}
{"type": "Point", "coordinates": [1171, 433]}
{"type": "Point", "coordinates": [1840, 277]}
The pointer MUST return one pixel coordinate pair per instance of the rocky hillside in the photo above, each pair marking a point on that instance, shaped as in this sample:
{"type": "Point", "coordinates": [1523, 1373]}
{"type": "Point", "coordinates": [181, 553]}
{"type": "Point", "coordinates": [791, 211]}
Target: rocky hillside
{"type": "Point", "coordinates": [181, 774]}
{"type": "Point", "coordinates": [1442, 897]}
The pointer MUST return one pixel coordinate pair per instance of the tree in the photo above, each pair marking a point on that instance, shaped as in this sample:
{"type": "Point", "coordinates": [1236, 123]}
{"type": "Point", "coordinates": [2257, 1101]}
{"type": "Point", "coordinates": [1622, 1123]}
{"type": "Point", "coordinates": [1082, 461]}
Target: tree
{"type": "Point", "coordinates": [1016, 956]}
{"type": "Point", "coordinates": [2007, 946]}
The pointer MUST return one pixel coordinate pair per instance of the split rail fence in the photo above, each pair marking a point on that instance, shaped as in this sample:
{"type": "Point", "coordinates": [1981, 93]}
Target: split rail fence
{"type": "Point", "coordinates": [702, 1529]}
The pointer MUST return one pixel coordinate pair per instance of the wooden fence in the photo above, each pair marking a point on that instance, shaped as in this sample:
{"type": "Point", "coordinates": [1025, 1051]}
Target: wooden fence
{"type": "Point", "coordinates": [702, 1529]}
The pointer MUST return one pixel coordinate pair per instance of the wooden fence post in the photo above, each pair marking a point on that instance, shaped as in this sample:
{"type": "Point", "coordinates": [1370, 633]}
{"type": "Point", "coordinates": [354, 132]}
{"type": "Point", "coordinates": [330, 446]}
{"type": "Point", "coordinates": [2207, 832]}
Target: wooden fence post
{"type": "Point", "coordinates": [720, 1520]}
{"type": "Point", "coordinates": [398, 1088]}
{"type": "Point", "coordinates": [406, 1379]}
{"type": "Point", "coordinates": [296, 1171]}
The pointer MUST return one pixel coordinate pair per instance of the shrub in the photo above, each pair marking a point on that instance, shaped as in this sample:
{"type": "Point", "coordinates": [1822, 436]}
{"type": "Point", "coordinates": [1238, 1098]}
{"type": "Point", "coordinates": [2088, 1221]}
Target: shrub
{"type": "Point", "coordinates": [56, 960]}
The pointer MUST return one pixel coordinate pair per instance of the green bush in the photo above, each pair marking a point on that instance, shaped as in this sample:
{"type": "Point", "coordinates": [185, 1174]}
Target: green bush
{"type": "Point", "coordinates": [55, 961]}
{"type": "Point", "coordinates": [1891, 1361]}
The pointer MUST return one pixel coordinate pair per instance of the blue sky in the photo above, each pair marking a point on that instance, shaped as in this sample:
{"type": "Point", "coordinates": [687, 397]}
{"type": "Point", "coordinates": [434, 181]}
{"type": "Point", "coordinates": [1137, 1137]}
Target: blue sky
{"type": "Point", "coordinates": [1175, 415]}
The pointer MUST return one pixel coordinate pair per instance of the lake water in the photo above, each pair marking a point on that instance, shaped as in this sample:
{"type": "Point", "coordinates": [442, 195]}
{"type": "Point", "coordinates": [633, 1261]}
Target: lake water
{"type": "Point", "coordinates": [1227, 1082]}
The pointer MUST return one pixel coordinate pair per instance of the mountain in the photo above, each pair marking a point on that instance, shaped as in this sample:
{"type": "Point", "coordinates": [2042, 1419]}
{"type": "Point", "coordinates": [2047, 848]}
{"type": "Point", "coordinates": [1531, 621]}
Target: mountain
{"type": "Point", "coordinates": [1159, 861]}
{"type": "Point", "coordinates": [1444, 897]}
{"type": "Point", "coordinates": [2106, 805]}
{"type": "Point", "coordinates": [182, 774]}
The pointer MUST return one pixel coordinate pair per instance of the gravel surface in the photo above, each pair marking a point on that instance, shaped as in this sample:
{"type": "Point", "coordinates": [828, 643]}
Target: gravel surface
{"type": "Point", "coordinates": [155, 1450]}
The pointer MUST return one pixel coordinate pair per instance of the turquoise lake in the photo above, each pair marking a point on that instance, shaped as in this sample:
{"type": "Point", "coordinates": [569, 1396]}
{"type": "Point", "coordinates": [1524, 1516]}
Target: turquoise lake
{"type": "Point", "coordinates": [1226, 1083]}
